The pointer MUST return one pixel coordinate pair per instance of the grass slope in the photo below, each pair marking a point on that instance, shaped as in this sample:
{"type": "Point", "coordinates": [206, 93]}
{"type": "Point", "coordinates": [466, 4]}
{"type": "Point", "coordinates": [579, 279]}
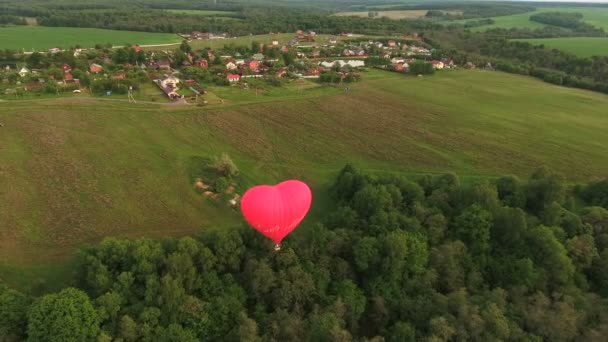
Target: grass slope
{"type": "Point", "coordinates": [596, 16]}
{"type": "Point", "coordinates": [74, 170]}
{"type": "Point", "coordinates": [580, 46]}
{"type": "Point", "coordinates": [42, 38]}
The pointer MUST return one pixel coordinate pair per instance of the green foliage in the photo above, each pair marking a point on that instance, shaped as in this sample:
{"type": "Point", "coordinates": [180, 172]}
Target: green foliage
{"type": "Point", "coordinates": [393, 262]}
{"type": "Point", "coordinates": [421, 68]}
{"type": "Point", "coordinates": [13, 314]}
{"type": "Point", "coordinates": [225, 165]}
{"type": "Point", "coordinates": [65, 316]}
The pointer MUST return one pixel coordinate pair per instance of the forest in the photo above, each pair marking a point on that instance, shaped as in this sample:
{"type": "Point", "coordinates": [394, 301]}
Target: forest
{"type": "Point", "coordinates": [396, 260]}
{"type": "Point", "coordinates": [568, 20]}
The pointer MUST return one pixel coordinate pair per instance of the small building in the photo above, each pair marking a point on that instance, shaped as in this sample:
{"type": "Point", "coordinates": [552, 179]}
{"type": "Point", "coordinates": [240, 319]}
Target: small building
{"type": "Point", "coordinates": [119, 76]}
{"type": "Point", "coordinates": [24, 71]}
{"type": "Point", "coordinates": [275, 43]}
{"type": "Point", "coordinates": [258, 57]}
{"type": "Point", "coordinates": [252, 64]}
{"type": "Point", "coordinates": [164, 64]}
{"type": "Point", "coordinates": [230, 64]}
{"type": "Point", "coordinates": [201, 35]}
{"type": "Point", "coordinates": [169, 81]}
{"type": "Point", "coordinates": [201, 63]}
{"type": "Point", "coordinates": [54, 50]}
{"type": "Point", "coordinates": [232, 78]}
{"type": "Point", "coordinates": [397, 60]}
{"type": "Point", "coordinates": [95, 68]}
{"type": "Point", "coordinates": [66, 68]}
{"type": "Point", "coordinates": [437, 65]}
{"type": "Point", "coordinates": [333, 40]}
{"type": "Point", "coordinates": [281, 73]}
{"type": "Point", "coordinates": [68, 77]}
{"type": "Point", "coordinates": [392, 43]}
{"type": "Point", "coordinates": [136, 48]}
{"type": "Point", "coordinates": [398, 66]}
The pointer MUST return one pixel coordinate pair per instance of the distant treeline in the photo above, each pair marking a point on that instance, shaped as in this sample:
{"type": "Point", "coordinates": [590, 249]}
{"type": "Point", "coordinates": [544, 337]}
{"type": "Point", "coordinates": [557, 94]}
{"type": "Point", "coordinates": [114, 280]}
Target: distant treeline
{"type": "Point", "coordinates": [568, 20]}
{"type": "Point", "coordinates": [396, 259]}
{"type": "Point", "coordinates": [256, 20]}
{"type": "Point", "coordinates": [11, 19]}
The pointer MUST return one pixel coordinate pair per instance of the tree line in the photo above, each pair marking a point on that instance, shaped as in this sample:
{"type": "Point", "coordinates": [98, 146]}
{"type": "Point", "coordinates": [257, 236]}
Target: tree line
{"type": "Point", "coordinates": [395, 260]}
{"type": "Point", "coordinates": [567, 20]}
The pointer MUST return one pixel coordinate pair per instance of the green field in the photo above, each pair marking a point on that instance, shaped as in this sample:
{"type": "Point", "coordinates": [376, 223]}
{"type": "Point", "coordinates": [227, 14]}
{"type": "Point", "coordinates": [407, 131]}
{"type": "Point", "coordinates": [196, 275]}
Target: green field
{"type": "Point", "coordinates": [580, 46]}
{"type": "Point", "coordinates": [202, 12]}
{"type": "Point", "coordinates": [38, 38]}
{"type": "Point", "coordinates": [74, 170]}
{"type": "Point", "coordinates": [596, 16]}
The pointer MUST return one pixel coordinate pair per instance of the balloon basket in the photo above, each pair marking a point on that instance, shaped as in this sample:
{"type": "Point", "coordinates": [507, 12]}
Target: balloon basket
{"type": "Point", "coordinates": [277, 247]}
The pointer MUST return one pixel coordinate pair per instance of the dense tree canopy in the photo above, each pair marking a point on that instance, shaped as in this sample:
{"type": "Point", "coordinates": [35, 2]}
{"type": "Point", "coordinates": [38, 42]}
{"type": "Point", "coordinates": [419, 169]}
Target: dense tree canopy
{"type": "Point", "coordinates": [406, 260]}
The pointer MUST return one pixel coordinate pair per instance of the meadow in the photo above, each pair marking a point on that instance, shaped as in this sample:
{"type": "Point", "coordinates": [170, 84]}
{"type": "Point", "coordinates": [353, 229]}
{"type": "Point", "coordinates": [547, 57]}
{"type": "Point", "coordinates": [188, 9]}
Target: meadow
{"type": "Point", "coordinates": [74, 170]}
{"type": "Point", "coordinates": [580, 46]}
{"type": "Point", "coordinates": [37, 38]}
{"type": "Point", "coordinates": [596, 16]}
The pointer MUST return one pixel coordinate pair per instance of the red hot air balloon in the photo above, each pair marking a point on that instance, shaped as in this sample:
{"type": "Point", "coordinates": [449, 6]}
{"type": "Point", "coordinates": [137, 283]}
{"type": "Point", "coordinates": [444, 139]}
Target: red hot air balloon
{"type": "Point", "coordinates": [276, 210]}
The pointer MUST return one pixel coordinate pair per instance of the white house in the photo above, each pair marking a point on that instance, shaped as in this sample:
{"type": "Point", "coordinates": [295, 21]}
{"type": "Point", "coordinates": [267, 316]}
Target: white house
{"type": "Point", "coordinates": [352, 63]}
{"type": "Point", "coordinates": [169, 81]}
{"type": "Point", "coordinates": [438, 65]}
{"type": "Point", "coordinates": [231, 65]}
{"type": "Point", "coordinates": [398, 60]}
{"type": "Point", "coordinates": [24, 71]}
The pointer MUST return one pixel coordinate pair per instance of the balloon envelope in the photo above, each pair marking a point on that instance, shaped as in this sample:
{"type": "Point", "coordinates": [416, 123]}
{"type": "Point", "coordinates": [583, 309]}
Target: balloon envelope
{"type": "Point", "coordinates": [276, 210]}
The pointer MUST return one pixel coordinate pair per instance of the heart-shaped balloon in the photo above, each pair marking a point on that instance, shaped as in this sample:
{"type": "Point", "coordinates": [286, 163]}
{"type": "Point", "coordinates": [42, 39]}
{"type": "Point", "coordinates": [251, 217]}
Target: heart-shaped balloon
{"type": "Point", "coordinates": [276, 210]}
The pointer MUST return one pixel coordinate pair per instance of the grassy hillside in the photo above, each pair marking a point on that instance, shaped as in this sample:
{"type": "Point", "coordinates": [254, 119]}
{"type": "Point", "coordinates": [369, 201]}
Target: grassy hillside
{"type": "Point", "coordinates": [580, 46]}
{"type": "Point", "coordinates": [42, 38]}
{"type": "Point", "coordinates": [75, 170]}
{"type": "Point", "coordinates": [596, 16]}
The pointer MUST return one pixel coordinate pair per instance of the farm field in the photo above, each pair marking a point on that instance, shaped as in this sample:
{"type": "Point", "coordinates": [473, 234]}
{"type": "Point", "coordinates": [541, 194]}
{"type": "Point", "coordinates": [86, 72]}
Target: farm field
{"type": "Point", "coordinates": [580, 46]}
{"type": "Point", "coordinates": [77, 169]}
{"type": "Point", "coordinates": [596, 16]}
{"type": "Point", "coordinates": [39, 38]}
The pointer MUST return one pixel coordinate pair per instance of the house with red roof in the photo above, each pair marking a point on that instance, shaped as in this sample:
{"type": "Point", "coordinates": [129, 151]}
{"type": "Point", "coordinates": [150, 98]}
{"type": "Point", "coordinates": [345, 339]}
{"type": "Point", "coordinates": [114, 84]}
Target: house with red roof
{"type": "Point", "coordinates": [119, 76]}
{"type": "Point", "coordinates": [66, 68]}
{"type": "Point", "coordinates": [95, 68]}
{"type": "Point", "coordinates": [136, 48]}
{"type": "Point", "coordinates": [233, 78]}
{"type": "Point", "coordinates": [201, 63]}
{"type": "Point", "coordinates": [252, 64]}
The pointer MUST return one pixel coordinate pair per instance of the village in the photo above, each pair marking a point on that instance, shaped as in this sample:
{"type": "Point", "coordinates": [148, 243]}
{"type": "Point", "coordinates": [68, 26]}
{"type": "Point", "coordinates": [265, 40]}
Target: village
{"type": "Point", "coordinates": [184, 74]}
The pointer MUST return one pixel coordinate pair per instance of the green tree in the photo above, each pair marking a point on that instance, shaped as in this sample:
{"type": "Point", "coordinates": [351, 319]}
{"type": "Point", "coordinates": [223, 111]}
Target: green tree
{"type": "Point", "coordinates": [402, 332]}
{"type": "Point", "coordinates": [354, 300]}
{"type": "Point", "coordinates": [472, 226]}
{"type": "Point", "coordinates": [128, 329]}
{"type": "Point", "coordinates": [544, 188]}
{"type": "Point", "coordinates": [185, 47]}
{"type": "Point", "coordinates": [225, 165]}
{"type": "Point", "coordinates": [13, 314]}
{"type": "Point", "coordinates": [64, 316]}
